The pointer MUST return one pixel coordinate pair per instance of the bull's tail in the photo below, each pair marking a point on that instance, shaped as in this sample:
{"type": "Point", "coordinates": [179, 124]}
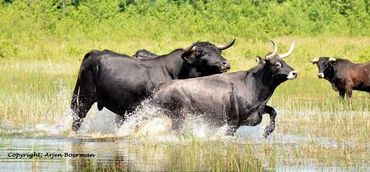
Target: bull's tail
{"type": "Point", "coordinates": [76, 91]}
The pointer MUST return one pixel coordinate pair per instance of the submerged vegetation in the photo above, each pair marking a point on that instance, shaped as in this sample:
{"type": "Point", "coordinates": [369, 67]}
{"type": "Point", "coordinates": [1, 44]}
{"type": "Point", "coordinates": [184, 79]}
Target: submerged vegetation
{"type": "Point", "coordinates": [43, 42]}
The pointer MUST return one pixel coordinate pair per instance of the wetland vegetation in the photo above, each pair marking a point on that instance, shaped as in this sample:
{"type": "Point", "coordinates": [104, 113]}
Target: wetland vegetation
{"type": "Point", "coordinates": [42, 45]}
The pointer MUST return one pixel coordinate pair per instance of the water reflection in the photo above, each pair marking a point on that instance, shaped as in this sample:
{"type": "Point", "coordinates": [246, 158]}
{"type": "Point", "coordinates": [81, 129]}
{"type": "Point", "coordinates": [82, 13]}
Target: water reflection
{"type": "Point", "coordinates": [120, 154]}
{"type": "Point", "coordinates": [110, 154]}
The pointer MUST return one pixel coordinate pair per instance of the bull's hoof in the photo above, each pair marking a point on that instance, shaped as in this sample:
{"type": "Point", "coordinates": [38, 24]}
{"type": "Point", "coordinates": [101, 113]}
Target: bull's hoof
{"type": "Point", "coordinates": [230, 131]}
{"type": "Point", "coordinates": [76, 126]}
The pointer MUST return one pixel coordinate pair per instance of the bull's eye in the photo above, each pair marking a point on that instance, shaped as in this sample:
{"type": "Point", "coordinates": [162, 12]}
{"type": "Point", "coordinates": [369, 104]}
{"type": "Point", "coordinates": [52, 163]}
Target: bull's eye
{"type": "Point", "coordinates": [278, 64]}
{"type": "Point", "coordinates": [202, 53]}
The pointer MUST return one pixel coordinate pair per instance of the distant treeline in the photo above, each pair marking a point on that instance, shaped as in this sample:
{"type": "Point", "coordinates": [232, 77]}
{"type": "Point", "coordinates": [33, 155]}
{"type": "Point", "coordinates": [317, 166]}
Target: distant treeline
{"type": "Point", "coordinates": [117, 20]}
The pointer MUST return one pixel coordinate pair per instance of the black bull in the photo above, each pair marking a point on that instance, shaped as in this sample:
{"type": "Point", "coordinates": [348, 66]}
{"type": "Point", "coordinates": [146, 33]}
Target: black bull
{"type": "Point", "coordinates": [344, 75]}
{"type": "Point", "coordinates": [119, 82]}
{"type": "Point", "coordinates": [233, 99]}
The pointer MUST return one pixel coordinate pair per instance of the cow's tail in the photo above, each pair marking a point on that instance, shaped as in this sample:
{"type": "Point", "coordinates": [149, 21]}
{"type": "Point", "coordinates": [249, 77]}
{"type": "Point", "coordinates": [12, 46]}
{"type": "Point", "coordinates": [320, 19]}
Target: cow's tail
{"type": "Point", "coordinates": [76, 91]}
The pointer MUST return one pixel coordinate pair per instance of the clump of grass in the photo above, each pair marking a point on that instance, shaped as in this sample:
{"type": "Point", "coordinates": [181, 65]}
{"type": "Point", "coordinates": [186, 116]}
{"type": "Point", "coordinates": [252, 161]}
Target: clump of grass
{"type": "Point", "coordinates": [195, 154]}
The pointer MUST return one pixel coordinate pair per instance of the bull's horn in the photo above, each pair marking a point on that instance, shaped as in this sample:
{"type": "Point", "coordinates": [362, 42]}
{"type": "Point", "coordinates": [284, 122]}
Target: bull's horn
{"type": "Point", "coordinates": [192, 47]}
{"type": "Point", "coordinates": [332, 59]}
{"type": "Point", "coordinates": [224, 47]}
{"type": "Point", "coordinates": [315, 60]}
{"type": "Point", "coordinates": [274, 52]}
{"type": "Point", "coordinates": [290, 51]}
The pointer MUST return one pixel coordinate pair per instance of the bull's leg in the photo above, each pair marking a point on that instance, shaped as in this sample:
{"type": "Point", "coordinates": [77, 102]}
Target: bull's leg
{"type": "Point", "coordinates": [232, 121]}
{"type": "Point", "coordinates": [83, 106]}
{"type": "Point", "coordinates": [84, 96]}
{"type": "Point", "coordinates": [177, 119]}
{"type": "Point", "coordinates": [231, 130]}
{"type": "Point", "coordinates": [177, 124]}
{"type": "Point", "coordinates": [119, 120]}
{"type": "Point", "coordinates": [349, 96]}
{"type": "Point", "coordinates": [270, 128]}
{"type": "Point", "coordinates": [82, 100]}
{"type": "Point", "coordinates": [341, 94]}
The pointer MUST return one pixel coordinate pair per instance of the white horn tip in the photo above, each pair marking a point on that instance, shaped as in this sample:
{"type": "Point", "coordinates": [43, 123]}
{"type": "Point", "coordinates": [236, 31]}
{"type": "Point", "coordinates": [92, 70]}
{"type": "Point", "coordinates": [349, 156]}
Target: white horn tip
{"type": "Point", "coordinates": [315, 60]}
{"type": "Point", "coordinates": [293, 44]}
{"type": "Point", "coordinates": [290, 51]}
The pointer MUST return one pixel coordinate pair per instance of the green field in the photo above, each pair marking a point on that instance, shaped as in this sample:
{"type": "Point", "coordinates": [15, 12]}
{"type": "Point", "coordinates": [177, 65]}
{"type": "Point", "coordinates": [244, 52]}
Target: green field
{"type": "Point", "coordinates": [42, 45]}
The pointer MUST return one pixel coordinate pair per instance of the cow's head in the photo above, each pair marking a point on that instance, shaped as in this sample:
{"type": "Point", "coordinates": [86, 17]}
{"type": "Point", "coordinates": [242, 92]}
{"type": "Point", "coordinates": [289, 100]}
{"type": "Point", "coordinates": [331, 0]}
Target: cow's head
{"type": "Point", "coordinates": [325, 66]}
{"type": "Point", "coordinates": [274, 64]}
{"type": "Point", "coordinates": [206, 57]}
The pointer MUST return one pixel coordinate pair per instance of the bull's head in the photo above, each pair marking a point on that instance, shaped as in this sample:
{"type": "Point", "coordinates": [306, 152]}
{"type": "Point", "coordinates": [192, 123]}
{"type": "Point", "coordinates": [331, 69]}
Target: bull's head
{"type": "Point", "coordinates": [206, 57]}
{"type": "Point", "coordinates": [275, 64]}
{"type": "Point", "coordinates": [325, 66]}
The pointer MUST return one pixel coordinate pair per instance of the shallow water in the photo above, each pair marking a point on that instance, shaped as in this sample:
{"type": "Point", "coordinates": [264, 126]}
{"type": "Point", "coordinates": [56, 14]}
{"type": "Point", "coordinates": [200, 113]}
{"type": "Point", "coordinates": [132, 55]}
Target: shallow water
{"type": "Point", "coordinates": [118, 154]}
{"type": "Point", "coordinates": [145, 142]}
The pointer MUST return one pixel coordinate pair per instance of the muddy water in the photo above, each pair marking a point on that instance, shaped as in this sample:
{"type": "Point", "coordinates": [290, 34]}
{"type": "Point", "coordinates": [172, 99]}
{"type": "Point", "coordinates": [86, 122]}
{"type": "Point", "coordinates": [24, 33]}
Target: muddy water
{"type": "Point", "coordinates": [144, 142]}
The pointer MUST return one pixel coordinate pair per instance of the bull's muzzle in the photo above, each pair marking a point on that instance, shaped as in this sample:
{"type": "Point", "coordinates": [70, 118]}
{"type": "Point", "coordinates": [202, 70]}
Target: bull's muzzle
{"type": "Point", "coordinates": [292, 75]}
{"type": "Point", "coordinates": [320, 75]}
{"type": "Point", "coordinates": [225, 66]}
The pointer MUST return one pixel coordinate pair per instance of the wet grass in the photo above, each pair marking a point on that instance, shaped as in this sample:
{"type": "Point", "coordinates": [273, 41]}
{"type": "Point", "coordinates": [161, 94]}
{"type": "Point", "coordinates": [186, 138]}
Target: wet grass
{"type": "Point", "coordinates": [197, 155]}
{"type": "Point", "coordinates": [37, 89]}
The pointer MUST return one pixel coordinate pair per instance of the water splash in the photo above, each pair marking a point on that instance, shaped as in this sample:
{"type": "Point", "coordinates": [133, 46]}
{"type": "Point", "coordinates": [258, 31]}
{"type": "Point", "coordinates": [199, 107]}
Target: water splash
{"type": "Point", "coordinates": [146, 120]}
{"type": "Point", "coordinates": [150, 121]}
{"type": "Point", "coordinates": [59, 128]}
{"type": "Point", "coordinates": [199, 127]}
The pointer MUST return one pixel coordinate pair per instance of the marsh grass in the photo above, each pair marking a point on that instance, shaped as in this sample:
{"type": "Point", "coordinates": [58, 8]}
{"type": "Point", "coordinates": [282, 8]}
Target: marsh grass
{"type": "Point", "coordinates": [37, 90]}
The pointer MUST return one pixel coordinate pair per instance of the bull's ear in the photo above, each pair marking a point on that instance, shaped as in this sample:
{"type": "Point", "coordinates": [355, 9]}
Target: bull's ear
{"type": "Point", "coordinates": [315, 60]}
{"type": "Point", "coordinates": [189, 57]}
{"type": "Point", "coordinates": [332, 59]}
{"type": "Point", "coordinates": [259, 60]}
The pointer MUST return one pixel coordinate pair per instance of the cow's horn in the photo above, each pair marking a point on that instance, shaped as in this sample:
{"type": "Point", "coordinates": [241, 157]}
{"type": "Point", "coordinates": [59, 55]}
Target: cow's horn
{"type": "Point", "coordinates": [274, 52]}
{"type": "Point", "coordinates": [290, 51]}
{"type": "Point", "coordinates": [332, 59]}
{"type": "Point", "coordinates": [223, 47]}
{"type": "Point", "coordinates": [315, 60]}
{"type": "Point", "coordinates": [192, 47]}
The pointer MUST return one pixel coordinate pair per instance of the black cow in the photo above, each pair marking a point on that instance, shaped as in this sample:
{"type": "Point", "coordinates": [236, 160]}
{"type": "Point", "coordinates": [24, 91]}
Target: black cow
{"type": "Point", "coordinates": [144, 54]}
{"type": "Point", "coordinates": [119, 82]}
{"type": "Point", "coordinates": [234, 99]}
{"type": "Point", "coordinates": [344, 75]}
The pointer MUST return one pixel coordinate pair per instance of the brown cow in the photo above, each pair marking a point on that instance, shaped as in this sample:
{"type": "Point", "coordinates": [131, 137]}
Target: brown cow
{"type": "Point", "coordinates": [344, 75]}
